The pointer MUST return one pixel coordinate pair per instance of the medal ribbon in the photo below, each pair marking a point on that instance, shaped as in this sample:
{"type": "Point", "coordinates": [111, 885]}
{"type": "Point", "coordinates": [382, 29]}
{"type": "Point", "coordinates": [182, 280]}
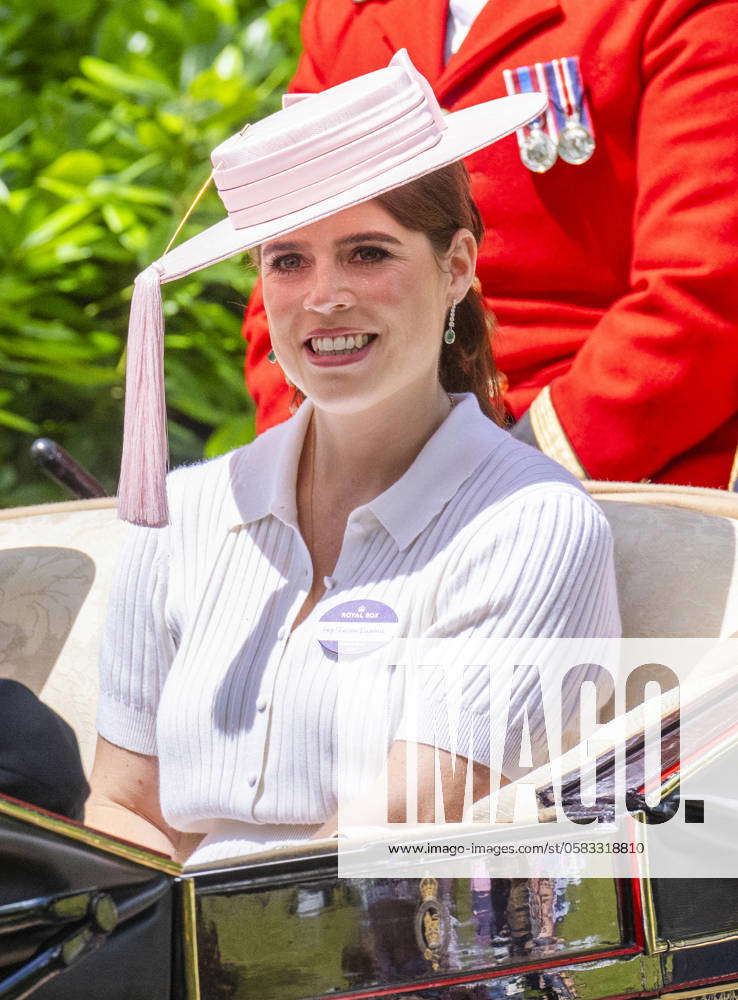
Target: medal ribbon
{"type": "Point", "coordinates": [509, 76]}
{"type": "Point", "coordinates": [552, 125]}
{"type": "Point", "coordinates": [523, 81]}
{"type": "Point", "coordinates": [566, 93]}
{"type": "Point", "coordinates": [575, 89]}
{"type": "Point", "coordinates": [563, 92]}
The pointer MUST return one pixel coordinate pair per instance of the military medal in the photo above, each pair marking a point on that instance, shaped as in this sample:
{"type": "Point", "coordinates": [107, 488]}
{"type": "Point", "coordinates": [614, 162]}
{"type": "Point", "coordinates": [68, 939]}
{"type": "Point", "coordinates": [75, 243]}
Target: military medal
{"type": "Point", "coordinates": [565, 130]}
{"type": "Point", "coordinates": [576, 141]}
{"type": "Point", "coordinates": [576, 145]}
{"type": "Point", "coordinates": [537, 149]}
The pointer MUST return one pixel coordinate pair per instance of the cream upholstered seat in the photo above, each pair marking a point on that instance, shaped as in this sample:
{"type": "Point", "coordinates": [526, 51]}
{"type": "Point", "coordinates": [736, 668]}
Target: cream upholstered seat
{"type": "Point", "coordinates": [56, 564]}
{"type": "Point", "coordinates": [676, 556]}
{"type": "Point", "coordinates": [676, 553]}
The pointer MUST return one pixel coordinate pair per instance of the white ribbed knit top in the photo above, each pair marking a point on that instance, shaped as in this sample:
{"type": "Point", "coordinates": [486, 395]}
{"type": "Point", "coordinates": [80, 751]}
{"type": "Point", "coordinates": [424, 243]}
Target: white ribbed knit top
{"type": "Point", "coordinates": [482, 537]}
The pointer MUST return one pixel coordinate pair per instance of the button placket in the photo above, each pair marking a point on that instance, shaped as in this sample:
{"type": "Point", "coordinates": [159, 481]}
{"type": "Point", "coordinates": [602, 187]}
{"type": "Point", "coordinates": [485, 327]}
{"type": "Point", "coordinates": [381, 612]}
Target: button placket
{"type": "Point", "coordinates": [265, 698]}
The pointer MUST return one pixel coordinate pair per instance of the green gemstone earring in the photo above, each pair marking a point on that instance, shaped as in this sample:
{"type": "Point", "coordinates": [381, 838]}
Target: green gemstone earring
{"type": "Point", "coordinates": [450, 335]}
{"type": "Point", "coordinates": [272, 357]}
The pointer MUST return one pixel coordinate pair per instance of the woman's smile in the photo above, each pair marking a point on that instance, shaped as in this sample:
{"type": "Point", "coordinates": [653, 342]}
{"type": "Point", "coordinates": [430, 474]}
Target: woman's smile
{"type": "Point", "coordinates": [338, 346]}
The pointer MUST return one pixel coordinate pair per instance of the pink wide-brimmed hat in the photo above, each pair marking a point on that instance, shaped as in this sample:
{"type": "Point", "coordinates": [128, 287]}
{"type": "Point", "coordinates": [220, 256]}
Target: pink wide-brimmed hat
{"type": "Point", "coordinates": [320, 154]}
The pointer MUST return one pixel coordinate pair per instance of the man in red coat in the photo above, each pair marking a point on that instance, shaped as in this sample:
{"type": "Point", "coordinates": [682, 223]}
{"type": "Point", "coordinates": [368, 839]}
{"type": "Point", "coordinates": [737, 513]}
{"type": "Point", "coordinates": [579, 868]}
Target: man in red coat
{"type": "Point", "coordinates": [614, 282]}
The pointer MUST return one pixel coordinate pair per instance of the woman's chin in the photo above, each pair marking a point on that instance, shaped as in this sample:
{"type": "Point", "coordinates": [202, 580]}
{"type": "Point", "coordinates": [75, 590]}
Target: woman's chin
{"type": "Point", "coordinates": [342, 400]}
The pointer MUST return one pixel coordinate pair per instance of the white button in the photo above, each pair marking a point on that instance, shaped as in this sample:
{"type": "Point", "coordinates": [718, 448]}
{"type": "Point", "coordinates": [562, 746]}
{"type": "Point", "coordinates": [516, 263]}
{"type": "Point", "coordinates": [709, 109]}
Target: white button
{"type": "Point", "coordinates": [261, 704]}
{"type": "Point", "coordinates": [252, 780]}
{"type": "Point", "coordinates": [281, 632]}
{"type": "Point", "coordinates": [329, 582]}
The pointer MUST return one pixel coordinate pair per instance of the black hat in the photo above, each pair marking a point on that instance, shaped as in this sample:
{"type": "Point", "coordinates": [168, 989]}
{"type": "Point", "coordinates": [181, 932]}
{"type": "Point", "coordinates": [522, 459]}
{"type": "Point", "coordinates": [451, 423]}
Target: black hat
{"type": "Point", "coordinates": [40, 761]}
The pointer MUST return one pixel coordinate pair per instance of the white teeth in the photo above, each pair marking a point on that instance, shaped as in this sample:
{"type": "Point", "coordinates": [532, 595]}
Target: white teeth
{"type": "Point", "coordinates": [336, 345]}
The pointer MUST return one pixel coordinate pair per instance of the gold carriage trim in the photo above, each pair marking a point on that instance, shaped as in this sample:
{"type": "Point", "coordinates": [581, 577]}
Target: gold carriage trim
{"type": "Point", "coordinates": [551, 436]}
{"type": "Point", "coordinates": [734, 472]}
{"type": "Point", "coordinates": [189, 935]}
{"type": "Point", "coordinates": [86, 835]}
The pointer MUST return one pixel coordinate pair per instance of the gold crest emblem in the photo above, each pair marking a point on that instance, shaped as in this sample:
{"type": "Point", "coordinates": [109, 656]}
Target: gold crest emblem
{"type": "Point", "coordinates": [431, 923]}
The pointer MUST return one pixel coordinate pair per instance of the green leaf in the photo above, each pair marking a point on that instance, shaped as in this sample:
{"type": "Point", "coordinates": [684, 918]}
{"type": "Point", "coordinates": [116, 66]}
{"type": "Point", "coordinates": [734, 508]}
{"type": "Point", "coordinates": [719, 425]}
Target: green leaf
{"type": "Point", "coordinates": [134, 170]}
{"type": "Point", "coordinates": [232, 434]}
{"type": "Point", "coordinates": [118, 217]}
{"type": "Point", "coordinates": [106, 343]}
{"type": "Point", "coordinates": [130, 192]}
{"type": "Point", "coordinates": [44, 330]}
{"type": "Point", "coordinates": [18, 200]}
{"type": "Point", "coordinates": [109, 75]}
{"type": "Point", "coordinates": [14, 138]}
{"type": "Point", "coordinates": [135, 239]}
{"type": "Point", "coordinates": [103, 131]}
{"type": "Point", "coordinates": [24, 347]}
{"type": "Point", "coordinates": [187, 393]}
{"type": "Point", "coordinates": [78, 166]}
{"type": "Point", "coordinates": [229, 64]}
{"type": "Point", "coordinates": [85, 375]}
{"type": "Point", "coordinates": [58, 222]}
{"type": "Point", "coordinates": [225, 10]}
{"type": "Point", "coordinates": [62, 189]}
{"type": "Point", "coordinates": [17, 422]}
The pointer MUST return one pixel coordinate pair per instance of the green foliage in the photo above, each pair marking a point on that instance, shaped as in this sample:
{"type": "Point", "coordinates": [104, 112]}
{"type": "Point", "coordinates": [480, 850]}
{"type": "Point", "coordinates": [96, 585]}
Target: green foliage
{"type": "Point", "coordinates": [108, 112]}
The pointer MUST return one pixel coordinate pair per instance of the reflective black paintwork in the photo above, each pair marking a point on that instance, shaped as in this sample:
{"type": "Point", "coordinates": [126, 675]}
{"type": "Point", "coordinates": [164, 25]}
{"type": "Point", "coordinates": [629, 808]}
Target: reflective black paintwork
{"type": "Point", "coordinates": [328, 935]}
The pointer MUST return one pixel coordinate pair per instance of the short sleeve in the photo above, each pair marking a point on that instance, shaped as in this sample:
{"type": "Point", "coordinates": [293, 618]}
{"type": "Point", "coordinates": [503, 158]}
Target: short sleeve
{"type": "Point", "coordinates": [137, 648]}
{"type": "Point", "coordinates": [540, 568]}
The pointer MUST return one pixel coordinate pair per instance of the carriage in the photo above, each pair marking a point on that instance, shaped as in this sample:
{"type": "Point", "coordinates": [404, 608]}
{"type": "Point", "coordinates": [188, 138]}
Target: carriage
{"type": "Point", "coordinates": [85, 915]}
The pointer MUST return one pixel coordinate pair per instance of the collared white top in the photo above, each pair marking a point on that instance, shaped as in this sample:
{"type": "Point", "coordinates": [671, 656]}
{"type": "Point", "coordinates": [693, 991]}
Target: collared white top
{"type": "Point", "coordinates": [482, 536]}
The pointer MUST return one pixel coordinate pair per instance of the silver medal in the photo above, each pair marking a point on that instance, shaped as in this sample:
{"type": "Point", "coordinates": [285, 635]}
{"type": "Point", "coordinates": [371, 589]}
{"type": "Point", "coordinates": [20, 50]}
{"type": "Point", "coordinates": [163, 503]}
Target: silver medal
{"type": "Point", "coordinates": [538, 150]}
{"type": "Point", "coordinates": [576, 144]}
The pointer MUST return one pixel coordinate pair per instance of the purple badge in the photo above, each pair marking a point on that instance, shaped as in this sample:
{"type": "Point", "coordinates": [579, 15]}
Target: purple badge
{"type": "Point", "coordinates": [359, 625]}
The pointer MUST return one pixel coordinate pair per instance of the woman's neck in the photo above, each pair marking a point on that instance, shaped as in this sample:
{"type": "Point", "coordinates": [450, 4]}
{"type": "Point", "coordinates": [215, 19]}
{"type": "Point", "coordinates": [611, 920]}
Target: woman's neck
{"type": "Point", "coordinates": [358, 456]}
{"type": "Point", "coordinates": [349, 459]}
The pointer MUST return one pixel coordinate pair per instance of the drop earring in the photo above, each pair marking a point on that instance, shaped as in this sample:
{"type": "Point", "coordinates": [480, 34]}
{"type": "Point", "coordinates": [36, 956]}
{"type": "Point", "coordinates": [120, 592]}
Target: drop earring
{"type": "Point", "coordinates": [272, 357]}
{"type": "Point", "coordinates": [450, 335]}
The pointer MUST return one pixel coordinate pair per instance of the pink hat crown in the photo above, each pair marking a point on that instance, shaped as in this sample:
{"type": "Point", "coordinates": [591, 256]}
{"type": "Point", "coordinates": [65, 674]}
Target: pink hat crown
{"type": "Point", "coordinates": [342, 137]}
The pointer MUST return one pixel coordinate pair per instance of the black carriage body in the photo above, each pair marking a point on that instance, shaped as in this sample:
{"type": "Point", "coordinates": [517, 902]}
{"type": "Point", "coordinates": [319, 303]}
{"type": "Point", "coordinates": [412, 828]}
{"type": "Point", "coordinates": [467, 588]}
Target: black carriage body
{"type": "Point", "coordinates": [85, 916]}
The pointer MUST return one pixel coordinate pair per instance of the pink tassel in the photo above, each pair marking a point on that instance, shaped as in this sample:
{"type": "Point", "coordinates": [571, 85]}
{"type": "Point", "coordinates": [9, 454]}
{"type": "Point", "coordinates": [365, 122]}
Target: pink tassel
{"type": "Point", "coordinates": [142, 495]}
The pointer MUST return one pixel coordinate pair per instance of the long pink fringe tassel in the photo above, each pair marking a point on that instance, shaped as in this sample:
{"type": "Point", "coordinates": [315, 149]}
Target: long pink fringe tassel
{"type": "Point", "coordinates": [142, 494]}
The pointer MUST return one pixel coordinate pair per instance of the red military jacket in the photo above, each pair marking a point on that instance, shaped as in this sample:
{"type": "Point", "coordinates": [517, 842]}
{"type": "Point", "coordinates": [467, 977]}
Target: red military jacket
{"type": "Point", "coordinates": [615, 283]}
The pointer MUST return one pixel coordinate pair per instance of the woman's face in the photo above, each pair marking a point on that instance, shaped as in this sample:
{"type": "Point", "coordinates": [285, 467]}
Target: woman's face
{"type": "Point", "coordinates": [357, 306]}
